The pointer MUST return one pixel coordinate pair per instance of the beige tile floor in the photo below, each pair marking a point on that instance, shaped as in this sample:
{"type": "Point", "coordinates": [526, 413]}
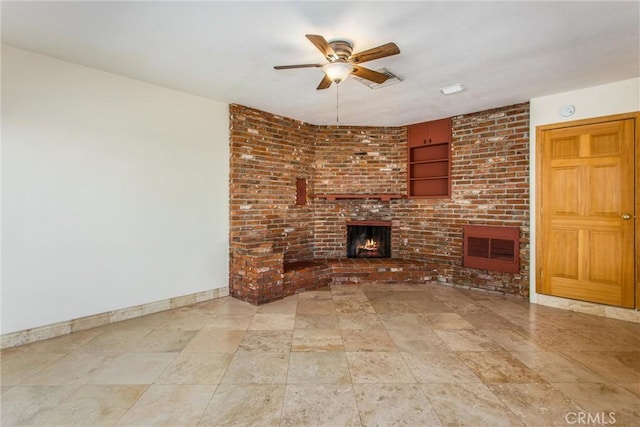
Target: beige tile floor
{"type": "Point", "coordinates": [372, 355]}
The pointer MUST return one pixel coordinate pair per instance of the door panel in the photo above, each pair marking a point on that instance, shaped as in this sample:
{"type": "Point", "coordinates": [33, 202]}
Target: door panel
{"type": "Point", "coordinates": [565, 190]}
{"type": "Point", "coordinates": [563, 253]}
{"type": "Point", "coordinates": [586, 184]}
{"type": "Point", "coordinates": [604, 202]}
{"type": "Point", "coordinates": [601, 269]}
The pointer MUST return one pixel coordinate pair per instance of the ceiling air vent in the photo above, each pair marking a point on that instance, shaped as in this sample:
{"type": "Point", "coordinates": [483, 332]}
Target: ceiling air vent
{"type": "Point", "coordinates": [393, 79]}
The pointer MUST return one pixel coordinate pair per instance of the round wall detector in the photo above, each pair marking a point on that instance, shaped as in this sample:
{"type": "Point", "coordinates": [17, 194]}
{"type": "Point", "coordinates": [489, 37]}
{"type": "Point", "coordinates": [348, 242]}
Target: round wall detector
{"type": "Point", "coordinates": [567, 110]}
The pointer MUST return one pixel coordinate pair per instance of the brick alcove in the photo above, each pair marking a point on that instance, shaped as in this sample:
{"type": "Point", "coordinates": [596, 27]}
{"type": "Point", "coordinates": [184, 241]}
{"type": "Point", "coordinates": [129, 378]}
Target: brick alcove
{"type": "Point", "coordinates": [271, 154]}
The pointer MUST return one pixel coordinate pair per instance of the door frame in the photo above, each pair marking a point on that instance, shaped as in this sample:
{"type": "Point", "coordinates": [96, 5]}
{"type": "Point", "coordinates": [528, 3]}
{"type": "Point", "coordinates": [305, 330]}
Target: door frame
{"type": "Point", "coordinates": [539, 244]}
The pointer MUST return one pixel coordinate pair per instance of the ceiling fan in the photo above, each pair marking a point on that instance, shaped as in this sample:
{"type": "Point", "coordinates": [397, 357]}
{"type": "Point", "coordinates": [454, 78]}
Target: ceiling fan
{"type": "Point", "coordinates": [342, 62]}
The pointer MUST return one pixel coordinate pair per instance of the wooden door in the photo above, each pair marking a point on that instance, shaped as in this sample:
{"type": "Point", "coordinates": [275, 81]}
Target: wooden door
{"type": "Point", "coordinates": [586, 219]}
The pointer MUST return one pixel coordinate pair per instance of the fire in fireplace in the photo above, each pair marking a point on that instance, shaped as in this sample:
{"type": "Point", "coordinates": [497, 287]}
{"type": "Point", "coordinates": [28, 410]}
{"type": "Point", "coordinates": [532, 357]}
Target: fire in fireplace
{"type": "Point", "coordinates": [369, 239]}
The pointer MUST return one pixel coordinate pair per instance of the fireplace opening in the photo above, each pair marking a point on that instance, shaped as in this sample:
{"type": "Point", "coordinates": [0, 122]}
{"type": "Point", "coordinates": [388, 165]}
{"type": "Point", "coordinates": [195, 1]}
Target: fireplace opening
{"type": "Point", "coordinates": [369, 239]}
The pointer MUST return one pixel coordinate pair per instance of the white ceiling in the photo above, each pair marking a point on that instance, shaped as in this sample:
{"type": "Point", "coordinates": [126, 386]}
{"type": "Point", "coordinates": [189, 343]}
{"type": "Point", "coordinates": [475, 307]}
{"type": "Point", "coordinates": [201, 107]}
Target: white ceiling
{"type": "Point", "coordinates": [502, 52]}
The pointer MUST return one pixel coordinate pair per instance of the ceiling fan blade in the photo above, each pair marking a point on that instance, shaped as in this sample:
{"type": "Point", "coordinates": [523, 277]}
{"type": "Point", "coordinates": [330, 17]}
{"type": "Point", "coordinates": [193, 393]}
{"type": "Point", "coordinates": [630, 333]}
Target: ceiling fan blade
{"type": "Point", "coordinates": [288, 67]}
{"type": "Point", "coordinates": [375, 53]}
{"type": "Point", "coordinates": [322, 45]}
{"type": "Point", "coordinates": [368, 74]}
{"type": "Point", "coordinates": [324, 83]}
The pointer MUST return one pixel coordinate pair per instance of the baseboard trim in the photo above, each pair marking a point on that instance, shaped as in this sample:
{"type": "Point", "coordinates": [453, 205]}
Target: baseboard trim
{"type": "Point", "coordinates": [53, 330]}
{"type": "Point", "coordinates": [608, 311]}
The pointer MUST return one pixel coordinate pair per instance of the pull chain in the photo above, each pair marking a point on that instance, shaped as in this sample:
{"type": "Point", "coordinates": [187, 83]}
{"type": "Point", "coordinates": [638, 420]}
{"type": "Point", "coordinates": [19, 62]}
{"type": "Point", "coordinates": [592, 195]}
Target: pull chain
{"type": "Point", "coordinates": [337, 99]}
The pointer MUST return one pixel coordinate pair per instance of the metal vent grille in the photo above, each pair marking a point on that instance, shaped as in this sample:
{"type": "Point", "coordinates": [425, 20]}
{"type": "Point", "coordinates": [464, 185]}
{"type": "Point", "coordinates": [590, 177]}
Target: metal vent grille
{"type": "Point", "coordinates": [393, 79]}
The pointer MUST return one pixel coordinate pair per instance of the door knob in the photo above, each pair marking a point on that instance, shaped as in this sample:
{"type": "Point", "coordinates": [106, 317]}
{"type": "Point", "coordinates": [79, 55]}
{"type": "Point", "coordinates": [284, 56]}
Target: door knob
{"type": "Point", "coordinates": [626, 216]}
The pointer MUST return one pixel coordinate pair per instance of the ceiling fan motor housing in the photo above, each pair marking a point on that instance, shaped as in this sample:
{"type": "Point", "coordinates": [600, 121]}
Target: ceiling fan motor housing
{"type": "Point", "coordinates": [342, 48]}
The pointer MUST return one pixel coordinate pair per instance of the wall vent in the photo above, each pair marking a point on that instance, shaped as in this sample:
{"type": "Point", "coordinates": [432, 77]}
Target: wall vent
{"type": "Point", "coordinates": [491, 248]}
{"type": "Point", "coordinates": [393, 79]}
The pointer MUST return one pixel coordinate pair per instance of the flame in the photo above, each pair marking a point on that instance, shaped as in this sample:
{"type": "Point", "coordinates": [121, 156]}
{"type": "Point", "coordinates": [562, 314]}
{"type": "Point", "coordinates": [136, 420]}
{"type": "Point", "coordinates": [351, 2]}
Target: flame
{"type": "Point", "coordinates": [369, 246]}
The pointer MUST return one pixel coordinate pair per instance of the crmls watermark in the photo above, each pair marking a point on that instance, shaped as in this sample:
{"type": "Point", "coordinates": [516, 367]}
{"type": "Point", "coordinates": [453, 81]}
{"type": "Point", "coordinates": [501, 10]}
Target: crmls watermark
{"type": "Point", "coordinates": [602, 418]}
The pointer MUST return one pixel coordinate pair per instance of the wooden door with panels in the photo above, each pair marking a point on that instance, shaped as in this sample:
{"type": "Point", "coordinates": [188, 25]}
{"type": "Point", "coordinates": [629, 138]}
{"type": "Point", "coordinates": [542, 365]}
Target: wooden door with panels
{"type": "Point", "coordinates": [586, 212]}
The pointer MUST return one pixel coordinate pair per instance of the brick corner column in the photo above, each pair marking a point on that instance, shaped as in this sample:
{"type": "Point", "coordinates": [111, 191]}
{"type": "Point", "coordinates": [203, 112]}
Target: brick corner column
{"type": "Point", "coordinates": [257, 272]}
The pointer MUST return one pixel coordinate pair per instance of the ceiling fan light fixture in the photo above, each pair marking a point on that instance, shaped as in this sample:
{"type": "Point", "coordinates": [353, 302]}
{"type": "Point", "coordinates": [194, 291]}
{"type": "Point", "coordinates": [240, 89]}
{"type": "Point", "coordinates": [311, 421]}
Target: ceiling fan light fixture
{"type": "Point", "coordinates": [337, 71]}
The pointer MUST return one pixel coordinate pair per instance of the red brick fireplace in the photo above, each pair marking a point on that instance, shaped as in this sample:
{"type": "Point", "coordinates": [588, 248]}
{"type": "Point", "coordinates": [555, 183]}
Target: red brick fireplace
{"type": "Point", "coordinates": [274, 232]}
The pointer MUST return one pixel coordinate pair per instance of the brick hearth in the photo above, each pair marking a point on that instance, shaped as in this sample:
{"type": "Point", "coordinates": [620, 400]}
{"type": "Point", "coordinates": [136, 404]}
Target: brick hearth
{"type": "Point", "coordinates": [305, 275]}
{"type": "Point", "coordinates": [259, 275]}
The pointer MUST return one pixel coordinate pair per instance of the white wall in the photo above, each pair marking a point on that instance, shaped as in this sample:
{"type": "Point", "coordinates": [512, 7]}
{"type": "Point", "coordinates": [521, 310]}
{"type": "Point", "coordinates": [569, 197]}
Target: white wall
{"type": "Point", "coordinates": [613, 98]}
{"type": "Point", "coordinates": [114, 192]}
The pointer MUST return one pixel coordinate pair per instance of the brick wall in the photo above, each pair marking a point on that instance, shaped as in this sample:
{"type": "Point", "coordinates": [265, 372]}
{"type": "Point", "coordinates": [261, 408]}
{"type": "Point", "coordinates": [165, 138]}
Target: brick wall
{"type": "Point", "coordinates": [268, 153]}
{"type": "Point", "coordinates": [489, 186]}
{"type": "Point", "coordinates": [360, 160]}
